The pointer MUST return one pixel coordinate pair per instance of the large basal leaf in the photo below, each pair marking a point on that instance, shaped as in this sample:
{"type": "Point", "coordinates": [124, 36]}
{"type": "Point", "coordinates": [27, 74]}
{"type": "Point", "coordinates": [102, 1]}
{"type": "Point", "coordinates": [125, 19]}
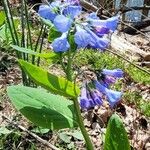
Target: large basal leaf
{"type": "Point", "coordinates": [43, 109]}
{"type": "Point", "coordinates": [50, 55]}
{"type": "Point", "coordinates": [116, 136]}
{"type": "Point", "coordinates": [49, 81]}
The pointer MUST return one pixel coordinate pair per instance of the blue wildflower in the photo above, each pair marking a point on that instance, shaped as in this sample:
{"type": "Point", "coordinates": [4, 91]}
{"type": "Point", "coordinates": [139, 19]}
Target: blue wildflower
{"type": "Point", "coordinates": [72, 11]}
{"type": "Point", "coordinates": [62, 23]}
{"type": "Point", "coordinates": [109, 76]}
{"type": "Point", "coordinates": [49, 11]}
{"type": "Point", "coordinates": [100, 31]}
{"type": "Point", "coordinates": [110, 23]}
{"type": "Point", "coordinates": [96, 98]}
{"type": "Point", "coordinates": [117, 73]}
{"type": "Point", "coordinates": [84, 100]}
{"type": "Point", "coordinates": [92, 15]}
{"type": "Point", "coordinates": [72, 2]}
{"type": "Point", "coordinates": [82, 37]}
{"type": "Point", "coordinates": [89, 98]}
{"type": "Point", "coordinates": [97, 42]}
{"type": "Point", "coordinates": [112, 96]}
{"type": "Point", "coordinates": [61, 44]}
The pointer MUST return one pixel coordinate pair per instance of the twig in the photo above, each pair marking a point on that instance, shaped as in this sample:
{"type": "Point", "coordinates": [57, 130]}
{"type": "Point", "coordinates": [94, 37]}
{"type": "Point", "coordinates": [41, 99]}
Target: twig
{"type": "Point", "coordinates": [126, 9]}
{"type": "Point", "coordinates": [129, 61]}
{"type": "Point", "coordinates": [88, 6]}
{"type": "Point", "coordinates": [44, 142]}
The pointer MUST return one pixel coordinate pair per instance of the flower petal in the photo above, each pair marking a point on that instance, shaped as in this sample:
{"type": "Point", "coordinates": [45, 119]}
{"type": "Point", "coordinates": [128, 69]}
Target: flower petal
{"type": "Point", "coordinates": [97, 42]}
{"type": "Point", "coordinates": [72, 2]}
{"type": "Point", "coordinates": [100, 31]}
{"type": "Point", "coordinates": [93, 15]}
{"type": "Point", "coordinates": [110, 23]}
{"type": "Point", "coordinates": [96, 98]}
{"type": "Point", "coordinates": [72, 11]}
{"type": "Point", "coordinates": [62, 23]}
{"type": "Point", "coordinates": [112, 96]}
{"type": "Point", "coordinates": [117, 73]}
{"type": "Point", "coordinates": [61, 44]}
{"type": "Point", "coordinates": [81, 37]}
{"type": "Point", "coordinates": [46, 12]}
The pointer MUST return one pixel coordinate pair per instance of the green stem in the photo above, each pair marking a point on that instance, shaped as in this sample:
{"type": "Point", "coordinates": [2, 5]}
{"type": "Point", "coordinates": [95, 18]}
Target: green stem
{"type": "Point", "coordinates": [61, 62]}
{"type": "Point", "coordinates": [13, 24]}
{"type": "Point", "coordinates": [89, 144]}
{"type": "Point", "coordinates": [41, 45]}
{"type": "Point", "coordinates": [69, 66]}
{"type": "Point", "coordinates": [28, 25]}
{"type": "Point", "coordinates": [8, 21]}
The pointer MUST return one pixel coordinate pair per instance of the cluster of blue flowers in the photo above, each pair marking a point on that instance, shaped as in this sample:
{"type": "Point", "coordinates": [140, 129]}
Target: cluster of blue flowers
{"type": "Point", "coordinates": [88, 33]}
{"type": "Point", "coordinates": [94, 95]}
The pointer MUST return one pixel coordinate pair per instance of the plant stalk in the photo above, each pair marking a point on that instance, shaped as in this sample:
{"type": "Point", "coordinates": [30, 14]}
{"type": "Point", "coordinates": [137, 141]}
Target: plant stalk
{"type": "Point", "coordinates": [69, 67]}
{"type": "Point", "coordinates": [89, 144]}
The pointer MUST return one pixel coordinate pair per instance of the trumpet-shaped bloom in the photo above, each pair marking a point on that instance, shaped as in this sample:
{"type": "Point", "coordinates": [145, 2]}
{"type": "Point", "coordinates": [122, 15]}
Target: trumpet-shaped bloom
{"type": "Point", "coordinates": [72, 11]}
{"type": "Point", "coordinates": [72, 2]}
{"type": "Point", "coordinates": [61, 44]}
{"type": "Point", "coordinates": [89, 99]}
{"type": "Point", "coordinates": [49, 11]}
{"type": "Point", "coordinates": [112, 96]}
{"type": "Point", "coordinates": [96, 98]}
{"type": "Point", "coordinates": [108, 80]}
{"type": "Point", "coordinates": [84, 101]}
{"type": "Point", "coordinates": [97, 42]}
{"type": "Point", "coordinates": [92, 15]}
{"type": "Point", "coordinates": [109, 76]}
{"type": "Point", "coordinates": [117, 73]}
{"type": "Point", "coordinates": [82, 37]}
{"type": "Point", "coordinates": [62, 23]}
{"type": "Point", "coordinates": [100, 31]}
{"type": "Point", "coordinates": [110, 23]}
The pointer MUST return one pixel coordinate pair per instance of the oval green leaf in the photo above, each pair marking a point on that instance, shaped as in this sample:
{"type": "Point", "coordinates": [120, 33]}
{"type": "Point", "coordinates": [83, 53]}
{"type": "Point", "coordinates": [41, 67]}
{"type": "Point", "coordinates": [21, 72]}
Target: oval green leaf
{"type": "Point", "coordinates": [116, 136]}
{"type": "Point", "coordinates": [49, 81]}
{"type": "Point", "coordinates": [43, 109]}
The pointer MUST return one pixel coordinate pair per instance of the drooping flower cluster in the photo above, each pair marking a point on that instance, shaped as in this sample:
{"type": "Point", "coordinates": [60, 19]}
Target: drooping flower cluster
{"type": "Point", "coordinates": [90, 97]}
{"type": "Point", "coordinates": [65, 18]}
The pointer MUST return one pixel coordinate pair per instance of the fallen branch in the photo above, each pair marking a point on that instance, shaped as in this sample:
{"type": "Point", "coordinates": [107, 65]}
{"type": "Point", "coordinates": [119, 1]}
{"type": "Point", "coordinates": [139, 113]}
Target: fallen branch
{"type": "Point", "coordinates": [126, 9]}
{"type": "Point", "coordinates": [44, 142]}
{"type": "Point", "coordinates": [136, 26]}
{"type": "Point", "coordinates": [137, 66]}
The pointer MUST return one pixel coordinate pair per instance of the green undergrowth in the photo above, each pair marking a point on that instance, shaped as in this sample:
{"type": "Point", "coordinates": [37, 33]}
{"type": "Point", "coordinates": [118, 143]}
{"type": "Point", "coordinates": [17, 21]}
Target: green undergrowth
{"type": "Point", "coordinates": [97, 60]}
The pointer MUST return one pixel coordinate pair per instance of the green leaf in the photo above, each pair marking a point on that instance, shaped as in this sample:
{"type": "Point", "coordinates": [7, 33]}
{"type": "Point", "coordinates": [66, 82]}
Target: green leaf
{"type": "Point", "coordinates": [49, 81]}
{"type": "Point", "coordinates": [2, 32]}
{"type": "Point", "coordinates": [116, 136]}
{"type": "Point", "coordinates": [73, 45]}
{"type": "Point", "coordinates": [2, 17]}
{"type": "Point", "coordinates": [64, 137]}
{"type": "Point", "coordinates": [47, 22]}
{"type": "Point", "coordinates": [50, 55]}
{"type": "Point", "coordinates": [43, 109]}
{"type": "Point", "coordinates": [53, 34]}
{"type": "Point", "coordinates": [40, 130]}
{"type": "Point", "coordinates": [4, 131]}
{"type": "Point", "coordinates": [77, 134]}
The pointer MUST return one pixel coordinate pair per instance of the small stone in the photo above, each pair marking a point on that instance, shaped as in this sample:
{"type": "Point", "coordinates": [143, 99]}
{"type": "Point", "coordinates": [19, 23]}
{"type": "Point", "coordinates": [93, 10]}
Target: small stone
{"type": "Point", "coordinates": [95, 126]}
